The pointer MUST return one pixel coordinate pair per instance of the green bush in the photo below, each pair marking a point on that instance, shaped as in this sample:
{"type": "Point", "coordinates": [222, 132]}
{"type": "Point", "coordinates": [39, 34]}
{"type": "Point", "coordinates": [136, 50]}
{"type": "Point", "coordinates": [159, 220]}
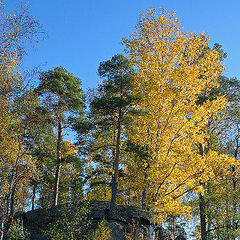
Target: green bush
{"type": "Point", "coordinates": [17, 232]}
{"type": "Point", "coordinates": [73, 224]}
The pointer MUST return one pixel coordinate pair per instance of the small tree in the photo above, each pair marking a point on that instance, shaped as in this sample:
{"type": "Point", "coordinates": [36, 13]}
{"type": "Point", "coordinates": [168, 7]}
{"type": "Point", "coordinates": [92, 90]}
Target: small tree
{"type": "Point", "coordinates": [17, 231]}
{"type": "Point", "coordinates": [103, 232]}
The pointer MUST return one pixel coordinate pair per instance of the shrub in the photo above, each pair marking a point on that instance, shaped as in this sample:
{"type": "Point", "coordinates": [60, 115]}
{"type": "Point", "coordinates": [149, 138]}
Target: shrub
{"type": "Point", "coordinates": [71, 225]}
{"type": "Point", "coordinates": [17, 232]}
{"type": "Point", "coordinates": [103, 232]}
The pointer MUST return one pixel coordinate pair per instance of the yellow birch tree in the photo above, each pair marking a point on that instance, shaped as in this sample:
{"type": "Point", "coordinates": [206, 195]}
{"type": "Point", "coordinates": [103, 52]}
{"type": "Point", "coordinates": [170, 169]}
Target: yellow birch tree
{"type": "Point", "coordinates": [174, 68]}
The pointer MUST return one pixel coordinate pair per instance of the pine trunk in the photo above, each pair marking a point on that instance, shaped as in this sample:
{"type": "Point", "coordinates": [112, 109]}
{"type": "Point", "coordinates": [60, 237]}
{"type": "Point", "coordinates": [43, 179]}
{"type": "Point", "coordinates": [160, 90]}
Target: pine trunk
{"type": "Point", "coordinates": [116, 169]}
{"type": "Point", "coordinates": [58, 170]}
{"type": "Point", "coordinates": [33, 197]}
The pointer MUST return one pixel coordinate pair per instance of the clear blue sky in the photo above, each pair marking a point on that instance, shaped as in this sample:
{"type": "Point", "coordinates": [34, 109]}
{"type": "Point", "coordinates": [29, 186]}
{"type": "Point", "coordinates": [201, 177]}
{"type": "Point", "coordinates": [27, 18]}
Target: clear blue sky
{"type": "Point", "coordinates": [82, 33]}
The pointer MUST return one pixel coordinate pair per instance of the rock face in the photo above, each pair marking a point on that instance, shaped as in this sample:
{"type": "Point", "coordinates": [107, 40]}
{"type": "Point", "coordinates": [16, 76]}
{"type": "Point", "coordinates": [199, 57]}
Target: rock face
{"type": "Point", "coordinates": [36, 221]}
{"type": "Point", "coordinates": [127, 220]}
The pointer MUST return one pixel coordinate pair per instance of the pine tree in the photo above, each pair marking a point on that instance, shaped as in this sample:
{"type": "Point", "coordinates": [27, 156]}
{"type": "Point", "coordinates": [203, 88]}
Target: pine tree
{"type": "Point", "coordinates": [62, 95]}
{"type": "Point", "coordinates": [113, 109]}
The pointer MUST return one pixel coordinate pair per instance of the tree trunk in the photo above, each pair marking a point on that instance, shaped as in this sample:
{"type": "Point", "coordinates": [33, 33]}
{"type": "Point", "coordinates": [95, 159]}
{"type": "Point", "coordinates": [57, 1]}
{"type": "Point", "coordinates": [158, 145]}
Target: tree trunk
{"type": "Point", "coordinates": [58, 170]}
{"type": "Point", "coordinates": [227, 219]}
{"type": "Point", "coordinates": [116, 168]}
{"type": "Point", "coordinates": [144, 193]}
{"type": "Point", "coordinates": [2, 229]}
{"type": "Point", "coordinates": [209, 218]}
{"type": "Point", "coordinates": [6, 215]}
{"type": "Point", "coordinates": [235, 222]}
{"type": "Point", "coordinates": [12, 203]}
{"type": "Point", "coordinates": [33, 197]}
{"type": "Point", "coordinates": [202, 207]}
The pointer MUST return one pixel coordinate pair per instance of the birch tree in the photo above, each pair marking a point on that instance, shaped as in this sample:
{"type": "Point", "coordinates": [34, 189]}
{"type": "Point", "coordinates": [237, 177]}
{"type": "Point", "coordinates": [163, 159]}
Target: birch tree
{"type": "Point", "coordinates": [173, 69]}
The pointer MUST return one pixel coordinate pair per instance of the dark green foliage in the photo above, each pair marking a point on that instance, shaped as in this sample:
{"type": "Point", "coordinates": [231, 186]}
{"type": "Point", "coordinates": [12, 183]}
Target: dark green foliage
{"type": "Point", "coordinates": [72, 224]}
{"type": "Point", "coordinates": [62, 96]}
{"type": "Point", "coordinates": [221, 52]}
{"type": "Point", "coordinates": [115, 92]}
{"type": "Point", "coordinates": [82, 126]}
{"type": "Point", "coordinates": [112, 110]}
{"type": "Point", "coordinates": [221, 201]}
{"type": "Point", "coordinates": [64, 89]}
{"type": "Point", "coordinates": [214, 92]}
{"type": "Point", "coordinates": [230, 87]}
{"type": "Point", "coordinates": [138, 150]}
{"type": "Point", "coordinates": [114, 95]}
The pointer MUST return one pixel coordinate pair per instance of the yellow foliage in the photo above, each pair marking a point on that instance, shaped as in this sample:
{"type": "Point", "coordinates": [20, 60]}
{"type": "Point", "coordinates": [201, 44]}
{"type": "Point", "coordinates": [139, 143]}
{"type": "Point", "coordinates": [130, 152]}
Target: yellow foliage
{"type": "Point", "coordinates": [174, 68]}
{"type": "Point", "coordinates": [16, 164]}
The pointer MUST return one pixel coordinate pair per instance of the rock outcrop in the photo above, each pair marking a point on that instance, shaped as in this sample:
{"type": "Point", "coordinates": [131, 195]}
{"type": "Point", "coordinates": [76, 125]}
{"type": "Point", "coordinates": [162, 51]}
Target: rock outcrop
{"type": "Point", "coordinates": [127, 220]}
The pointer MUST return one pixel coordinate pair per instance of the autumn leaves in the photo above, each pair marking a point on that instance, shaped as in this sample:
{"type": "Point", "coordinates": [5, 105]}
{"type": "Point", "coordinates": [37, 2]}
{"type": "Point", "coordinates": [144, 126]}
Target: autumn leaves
{"type": "Point", "coordinates": [174, 68]}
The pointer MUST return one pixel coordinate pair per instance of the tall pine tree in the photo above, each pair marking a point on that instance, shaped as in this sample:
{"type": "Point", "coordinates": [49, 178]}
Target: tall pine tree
{"type": "Point", "coordinates": [62, 95]}
{"type": "Point", "coordinates": [113, 108]}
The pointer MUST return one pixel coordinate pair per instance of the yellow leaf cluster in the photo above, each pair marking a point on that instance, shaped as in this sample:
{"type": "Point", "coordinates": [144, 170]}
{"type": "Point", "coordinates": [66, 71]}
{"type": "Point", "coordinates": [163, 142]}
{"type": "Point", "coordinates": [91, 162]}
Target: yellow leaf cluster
{"type": "Point", "coordinates": [174, 68]}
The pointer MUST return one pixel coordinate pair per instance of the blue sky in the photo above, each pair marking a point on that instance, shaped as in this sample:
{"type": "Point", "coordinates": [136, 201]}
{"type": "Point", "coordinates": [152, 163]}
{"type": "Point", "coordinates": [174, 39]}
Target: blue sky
{"type": "Point", "coordinates": [82, 33]}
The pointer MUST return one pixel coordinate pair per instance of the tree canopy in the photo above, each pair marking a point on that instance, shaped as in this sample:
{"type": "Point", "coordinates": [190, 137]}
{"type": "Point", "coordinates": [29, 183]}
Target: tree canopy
{"type": "Point", "coordinates": [160, 132]}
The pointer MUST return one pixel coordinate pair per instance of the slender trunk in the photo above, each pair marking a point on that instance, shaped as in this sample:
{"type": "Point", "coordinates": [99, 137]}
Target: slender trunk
{"type": "Point", "coordinates": [2, 228]}
{"type": "Point", "coordinates": [33, 197]}
{"type": "Point", "coordinates": [58, 170]}
{"type": "Point", "coordinates": [209, 218]}
{"type": "Point", "coordinates": [227, 223]}
{"type": "Point", "coordinates": [116, 168]}
{"type": "Point", "coordinates": [235, 222]}
{"type": "Point", "coordinates": [10, 214]}
{"type": "Point", "coordinates": [144, 193]}
{"type": "Point", "coordinates": [202, 207]}
{"type": "Point", "coordinates": [12, 203]}
{"type": "Point", "coordinates": [10, 192]}
{"type": "Point", "coordinates": [6, 215]}
{"type": "Point", "coordinates": [10, 197]}
{"type": "Point", "coordinates": [173, 227]}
